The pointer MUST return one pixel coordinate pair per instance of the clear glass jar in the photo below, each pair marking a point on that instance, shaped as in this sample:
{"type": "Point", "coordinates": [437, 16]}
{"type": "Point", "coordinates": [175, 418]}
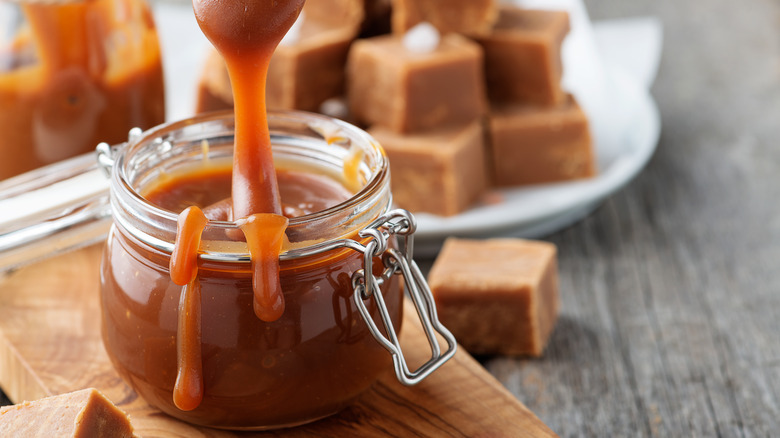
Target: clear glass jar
{"type": "Point", "coordinates": [323, 352]}
{"type": "Point", "coordinates": [74, 73]}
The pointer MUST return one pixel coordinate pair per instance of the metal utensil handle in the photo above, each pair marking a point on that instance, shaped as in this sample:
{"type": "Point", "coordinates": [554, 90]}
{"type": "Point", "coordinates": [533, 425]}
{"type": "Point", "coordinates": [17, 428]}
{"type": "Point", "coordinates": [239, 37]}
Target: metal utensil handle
{"type": "Point", "coordinates": [366, 287]}
{"type": "Point", "coordinates": [56, 208]}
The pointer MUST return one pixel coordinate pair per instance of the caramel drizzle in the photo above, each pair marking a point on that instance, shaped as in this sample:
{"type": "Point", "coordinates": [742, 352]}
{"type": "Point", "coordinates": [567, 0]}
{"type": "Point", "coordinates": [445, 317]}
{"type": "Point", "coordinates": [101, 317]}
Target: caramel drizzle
{"type": "Point", "coordinates": [245, 32]}
{"type": "Point", "coordinates": [188, 389]}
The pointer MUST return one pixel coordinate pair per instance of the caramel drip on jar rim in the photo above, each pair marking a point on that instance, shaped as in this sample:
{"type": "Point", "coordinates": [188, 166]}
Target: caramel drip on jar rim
{"type": "Point", "coordinates": [265, 235]}
{"type": "Point", "coordinates": [188, 389]}
{"type": "Point", "coordinates": [184, 259]}
{"type": "Point", "coordinates": [352, 168]}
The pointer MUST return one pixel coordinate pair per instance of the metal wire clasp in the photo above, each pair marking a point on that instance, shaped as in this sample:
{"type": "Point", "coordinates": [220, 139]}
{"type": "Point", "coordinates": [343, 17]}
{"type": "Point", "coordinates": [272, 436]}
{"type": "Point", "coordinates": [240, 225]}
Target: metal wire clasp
{"type": "Point", "coordinates": [106, 154]}
{"type": "Point", "coordinates": [366, 287]}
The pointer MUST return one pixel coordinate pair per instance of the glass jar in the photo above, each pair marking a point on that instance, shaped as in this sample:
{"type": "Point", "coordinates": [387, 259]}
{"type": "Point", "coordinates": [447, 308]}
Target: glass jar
{"type": "Point", "coordinates": [329, 345]}
{"type": "Point", "coordinates": [74, 73]}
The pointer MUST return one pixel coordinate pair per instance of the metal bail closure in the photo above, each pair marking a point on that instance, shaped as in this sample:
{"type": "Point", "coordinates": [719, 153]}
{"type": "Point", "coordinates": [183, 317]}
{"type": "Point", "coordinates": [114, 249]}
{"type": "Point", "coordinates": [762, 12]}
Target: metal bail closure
{"type": "Point", "coordinates": [366, 287]}
{"type": "Point", "coordinates": [106, 154]}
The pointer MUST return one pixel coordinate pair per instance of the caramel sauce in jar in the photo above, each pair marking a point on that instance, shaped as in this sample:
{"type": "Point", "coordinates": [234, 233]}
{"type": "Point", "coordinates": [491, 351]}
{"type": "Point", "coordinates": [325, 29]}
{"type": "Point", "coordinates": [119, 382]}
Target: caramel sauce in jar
{"type": "Point", "coordinates": [74, 73]}
{"type": "Point", "coordinates": [312, 361]}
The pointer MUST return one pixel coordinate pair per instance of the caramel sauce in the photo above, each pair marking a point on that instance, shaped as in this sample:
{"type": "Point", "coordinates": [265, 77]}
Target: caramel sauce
{"type": "Point", "coordinates": [316, 326]}
{"type": "Point", "coordinates": [207, 186]}
{"type": "Point", "coordinates": [184, 259]}
{"type": "Point", "coordinates": [352, 168]}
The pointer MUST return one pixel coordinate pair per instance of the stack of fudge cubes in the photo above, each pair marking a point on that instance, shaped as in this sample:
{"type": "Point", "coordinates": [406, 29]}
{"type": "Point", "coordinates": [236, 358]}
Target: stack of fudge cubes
{"type": "Point", "coordinates": [481, 108]}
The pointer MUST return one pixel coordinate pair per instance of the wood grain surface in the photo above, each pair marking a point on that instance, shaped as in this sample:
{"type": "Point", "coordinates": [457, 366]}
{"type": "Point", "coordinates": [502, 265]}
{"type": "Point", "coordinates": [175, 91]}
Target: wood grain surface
{"type": "Point", "coordinates": [50, 344]}
{"type": "Point", "coordinates": [670, 292]}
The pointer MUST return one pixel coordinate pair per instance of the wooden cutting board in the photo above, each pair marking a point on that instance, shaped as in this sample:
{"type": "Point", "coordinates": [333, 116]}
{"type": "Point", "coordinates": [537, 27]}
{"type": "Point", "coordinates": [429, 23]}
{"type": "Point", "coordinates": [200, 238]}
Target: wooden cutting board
{"type": "Point", "coordinates": [50, 344]}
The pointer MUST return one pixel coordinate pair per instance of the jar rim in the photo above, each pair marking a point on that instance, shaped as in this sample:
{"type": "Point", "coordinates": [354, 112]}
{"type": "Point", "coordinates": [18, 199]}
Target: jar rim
{"type": "Point", "coordinates": [380, 177]}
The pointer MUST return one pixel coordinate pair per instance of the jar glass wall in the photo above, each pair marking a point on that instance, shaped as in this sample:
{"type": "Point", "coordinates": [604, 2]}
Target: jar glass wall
{"type": "Point", "coordinates": [314, 360]}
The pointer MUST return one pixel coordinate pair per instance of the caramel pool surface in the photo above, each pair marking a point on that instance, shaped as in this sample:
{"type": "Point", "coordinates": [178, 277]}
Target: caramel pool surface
{"type": "Point", "coordinates": [50, 344]}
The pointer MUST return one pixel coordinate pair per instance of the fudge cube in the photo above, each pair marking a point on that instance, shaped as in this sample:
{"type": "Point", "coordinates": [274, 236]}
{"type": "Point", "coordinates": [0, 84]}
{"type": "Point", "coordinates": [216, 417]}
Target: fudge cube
{"type": "Point", "coordinates": [523, 56]}
{"type": "Point", "coordinates": [440, 172]}
{"type": "Point", "coordinates": [497, 296]}
{"type": "Point", "coordinates": [214, 91]}
{"type": "Point", "coordinates": [336, 13]}
{"type": "Point", "coordinates": [85, 413]}
{"type": "Point", "coordinates": [304, 71]}
{"type": "Point", "coordinates": [532, 145]}
{"type": "Point", "coordinates": [468, 17]}
{"type": "Point", "coordinates": [406, 91]}
{"type": "Point", "coordinates": [367, 17]}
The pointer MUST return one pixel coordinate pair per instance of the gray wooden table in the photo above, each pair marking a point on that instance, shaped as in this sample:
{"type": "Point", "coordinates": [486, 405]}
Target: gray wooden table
{"type": "Point", "coordinates": [670, 318]}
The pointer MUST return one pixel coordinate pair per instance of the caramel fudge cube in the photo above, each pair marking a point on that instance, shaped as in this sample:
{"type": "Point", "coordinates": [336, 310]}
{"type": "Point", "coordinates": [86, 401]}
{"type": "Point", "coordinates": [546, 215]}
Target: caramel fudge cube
{"type": "Point", "coordinates": [85, 413]}
{"type": "Point", "coordinates": [497, 296]}
{"type": "Point", "coordinates": [440, 172]}
{"type": "Point", "coordinates": [468, 17]}
{"type": "Point", "coordinates": [407, 91]}
{"type": "Point", "coordinates": [523, 56]}
{"type": "Point", "coordinates": [336, 13]}
{"type": "Point", "coordinates": [532, 145]}
{"type": "Point", "coordinates": [214, 91]}
{"type": "Point", "coordinates": [303, 73]}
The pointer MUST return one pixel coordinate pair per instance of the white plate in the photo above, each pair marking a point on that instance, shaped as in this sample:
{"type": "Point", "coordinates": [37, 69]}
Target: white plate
{"type": "Point", "coordinates": [535, 211]}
